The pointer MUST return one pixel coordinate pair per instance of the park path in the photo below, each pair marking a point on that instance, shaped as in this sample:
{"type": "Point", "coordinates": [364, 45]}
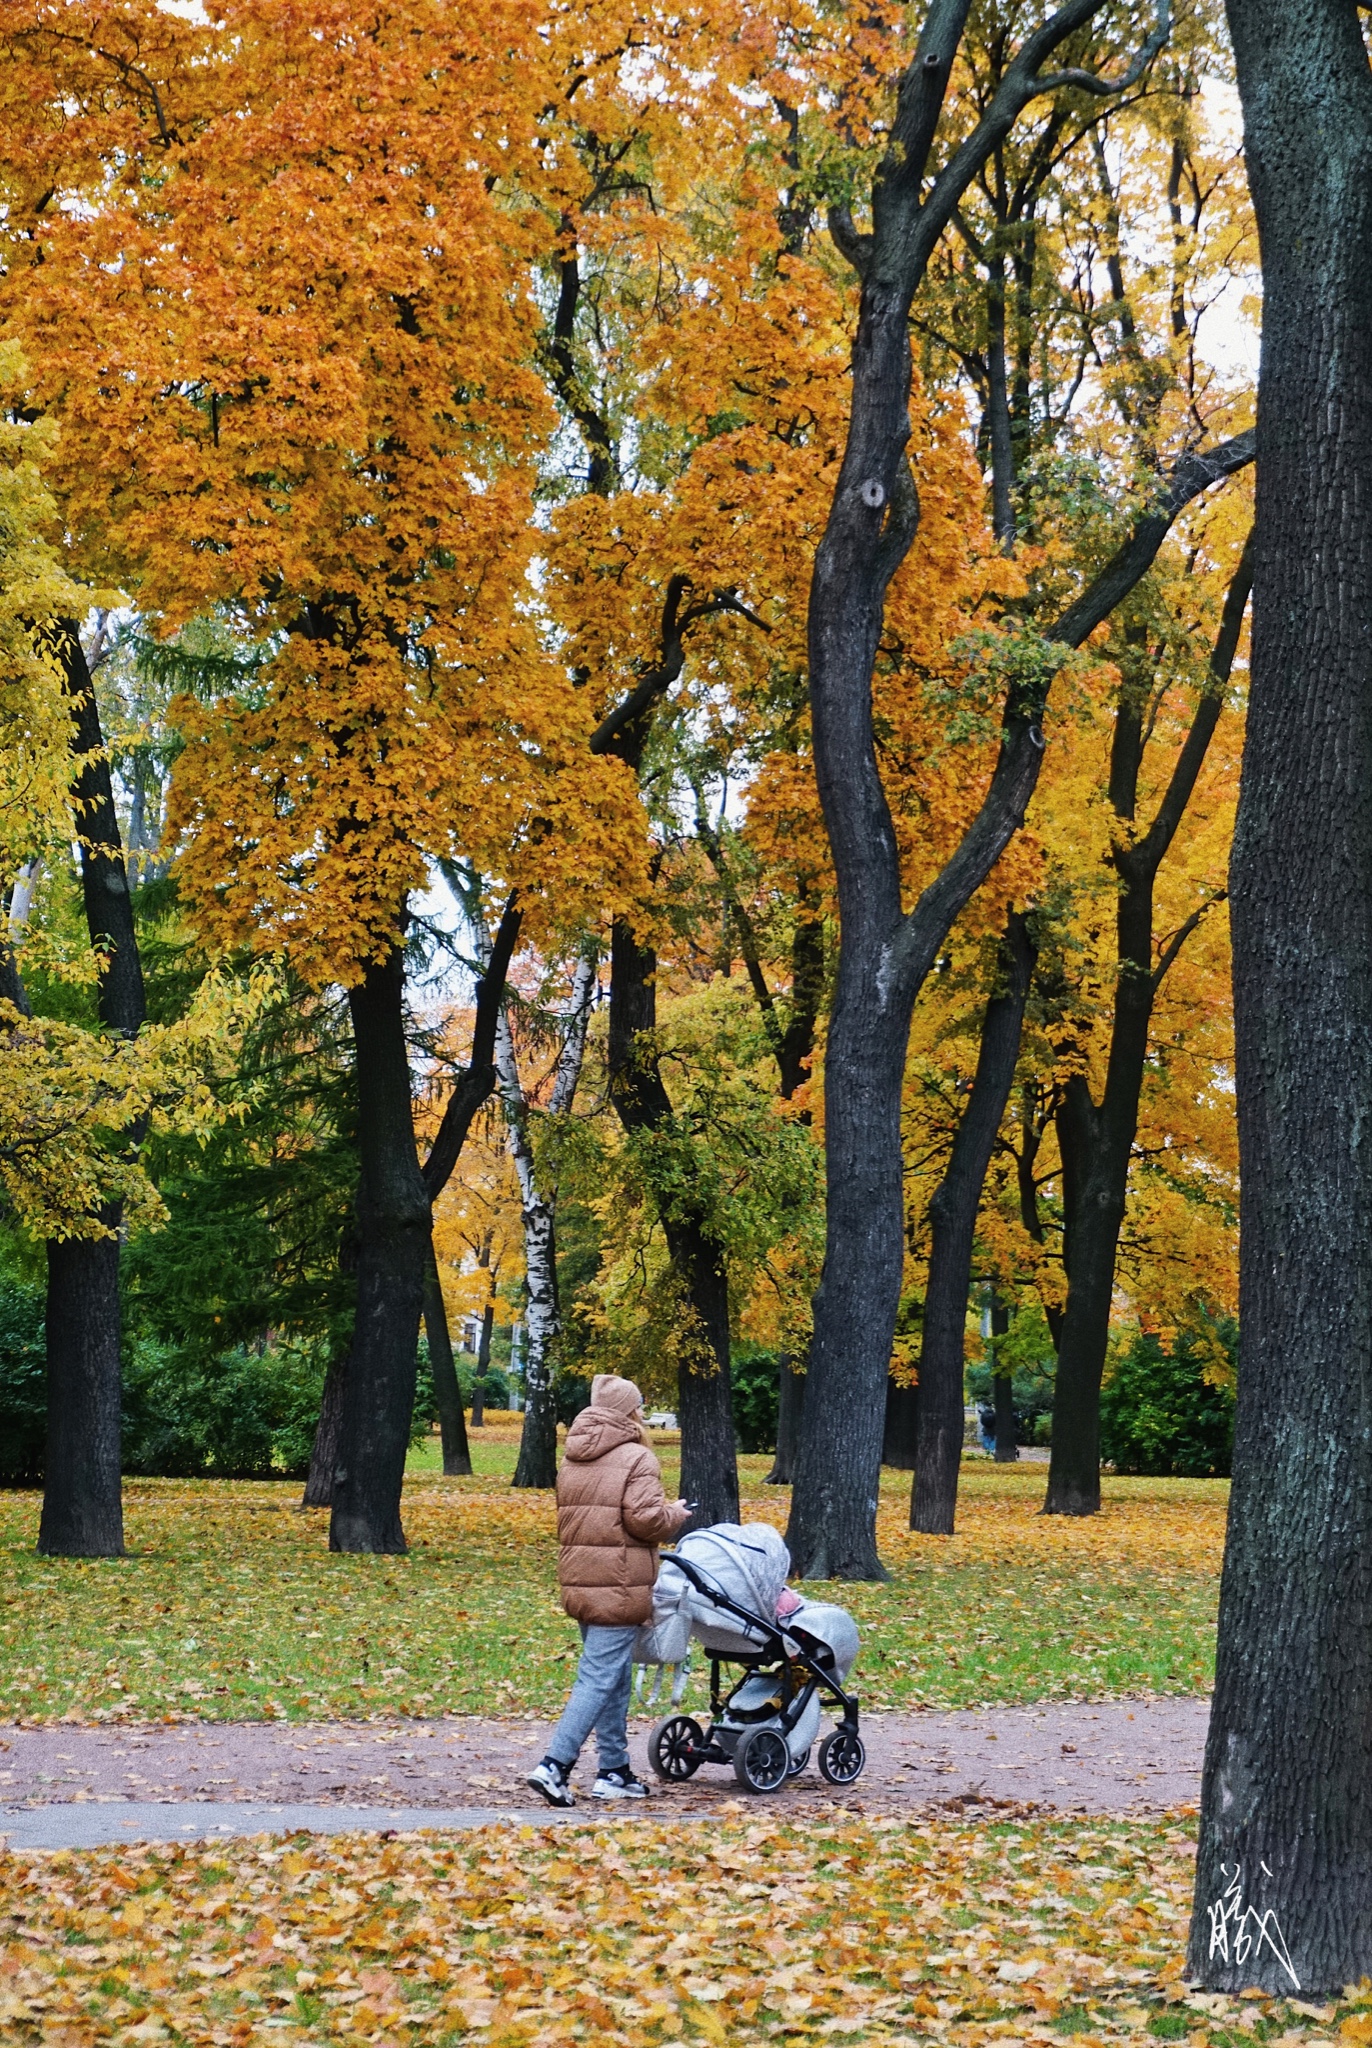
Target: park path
{"type": "Point", "coordinates": [73, 1786]}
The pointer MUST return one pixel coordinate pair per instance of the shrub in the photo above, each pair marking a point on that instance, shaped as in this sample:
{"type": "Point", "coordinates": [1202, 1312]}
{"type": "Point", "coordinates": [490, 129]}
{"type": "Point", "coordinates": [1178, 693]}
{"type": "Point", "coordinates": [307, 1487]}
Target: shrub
{"type": "Point", "coordinates": [755, 1376]}
{"type": "Point", "coordinates": [248, 1414]}
{"type": "Point", "coordinates": [23, 1385]}
{"type": "Point", "coordinates": [1161, 1417]}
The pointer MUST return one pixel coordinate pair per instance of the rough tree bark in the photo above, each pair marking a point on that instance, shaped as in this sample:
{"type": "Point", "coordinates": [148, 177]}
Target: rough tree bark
{"type": "Point", "coordinates": [886, 952]}
{"type": "Point", "coordinates": [83, 1512]}
{"type": "Point", "coordinates": [1284, 1869]}
{"type": "Point", "coordinates": [327, 1433]}
{"type": "Point", "coordinates": [537, 1461]}
{"type": "Point", "coordinates": [1096, 1141]}
{"type": "Point", "coordinates": [953, 1219]}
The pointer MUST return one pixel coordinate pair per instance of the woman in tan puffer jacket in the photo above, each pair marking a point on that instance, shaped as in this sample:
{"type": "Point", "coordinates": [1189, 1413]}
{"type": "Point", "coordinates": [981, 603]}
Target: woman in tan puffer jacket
{"type": "Point", "coordinates": [612, 1513]}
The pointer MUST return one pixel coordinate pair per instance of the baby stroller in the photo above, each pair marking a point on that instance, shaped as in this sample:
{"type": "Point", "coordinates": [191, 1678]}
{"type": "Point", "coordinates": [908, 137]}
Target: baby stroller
{"type": "Point", "coordinates": [720, 1588]}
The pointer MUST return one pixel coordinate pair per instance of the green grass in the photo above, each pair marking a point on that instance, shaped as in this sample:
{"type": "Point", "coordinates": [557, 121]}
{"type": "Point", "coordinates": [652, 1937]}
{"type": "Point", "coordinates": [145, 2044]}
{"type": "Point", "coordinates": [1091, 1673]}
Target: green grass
{"type": "Point", "coordinates": [230, 1605]}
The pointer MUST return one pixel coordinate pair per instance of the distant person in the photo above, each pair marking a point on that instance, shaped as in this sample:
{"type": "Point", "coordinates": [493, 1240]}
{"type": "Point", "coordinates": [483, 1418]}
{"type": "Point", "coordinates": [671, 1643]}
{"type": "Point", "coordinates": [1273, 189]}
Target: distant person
{"type": "Point", "coordinates": [986, 1422]}
{"type": "Point", "coordinates": [612, 1513]}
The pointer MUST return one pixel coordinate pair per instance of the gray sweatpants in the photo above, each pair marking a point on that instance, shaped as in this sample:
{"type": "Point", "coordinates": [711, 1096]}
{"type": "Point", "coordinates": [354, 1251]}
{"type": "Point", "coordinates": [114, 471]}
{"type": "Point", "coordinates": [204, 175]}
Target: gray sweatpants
{"type": "Point", "coordinates": [600, 1699]}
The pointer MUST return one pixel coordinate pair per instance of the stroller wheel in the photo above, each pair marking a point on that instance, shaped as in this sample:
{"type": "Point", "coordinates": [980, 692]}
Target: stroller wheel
{"type": "Point", "coordinates": [798, 1764]}
{"type": "Point", "coordinates": [672, 1746]}
{"type": "Point", "coordinates": [762, 1761]}
{"type": "Point", "coordinates": [842, 1756]}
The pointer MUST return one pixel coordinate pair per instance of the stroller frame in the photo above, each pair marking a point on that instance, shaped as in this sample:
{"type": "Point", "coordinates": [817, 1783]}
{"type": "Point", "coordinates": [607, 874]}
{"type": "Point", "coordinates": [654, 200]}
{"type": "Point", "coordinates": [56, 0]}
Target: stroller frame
{"type": "Point", "coordinates": [760, 1754]}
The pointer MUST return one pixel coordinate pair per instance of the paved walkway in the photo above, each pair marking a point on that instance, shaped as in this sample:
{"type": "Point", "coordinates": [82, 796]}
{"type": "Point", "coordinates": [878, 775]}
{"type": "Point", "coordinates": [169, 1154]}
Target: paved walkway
{"type": "Point", "coordinates": [70, 1787]}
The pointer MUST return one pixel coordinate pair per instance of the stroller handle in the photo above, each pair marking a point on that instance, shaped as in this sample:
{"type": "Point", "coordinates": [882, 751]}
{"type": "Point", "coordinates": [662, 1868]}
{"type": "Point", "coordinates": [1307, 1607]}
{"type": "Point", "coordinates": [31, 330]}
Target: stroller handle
{"type": "Point", "coordinates": [704, 1585]}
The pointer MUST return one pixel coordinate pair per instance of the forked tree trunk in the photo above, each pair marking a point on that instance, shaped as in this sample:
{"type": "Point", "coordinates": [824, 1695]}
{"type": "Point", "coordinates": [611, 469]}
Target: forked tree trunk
{"type": "Point", "coordinates": [392, 1254]}
{"type": "Point", "coordinates": [1284, 1864]}
{"type": "Point", "coordinates": [452, 1423]}
{"type": "Point", "coordinates": [82, 1507]}
{"type": "Point", "coordinates": [953, 1217]}
{"type": "Point", "coordinates": [83, 1512]}
{"type": "Point", "coordinates": [1096, 1141]}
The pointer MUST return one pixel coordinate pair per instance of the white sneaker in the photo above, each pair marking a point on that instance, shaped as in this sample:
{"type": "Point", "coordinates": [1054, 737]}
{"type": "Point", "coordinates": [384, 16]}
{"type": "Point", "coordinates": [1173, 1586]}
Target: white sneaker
{"type": "Point", "coordinates": [548, 1779]}
{"type": "Point", "coordinates": [620, 1784]}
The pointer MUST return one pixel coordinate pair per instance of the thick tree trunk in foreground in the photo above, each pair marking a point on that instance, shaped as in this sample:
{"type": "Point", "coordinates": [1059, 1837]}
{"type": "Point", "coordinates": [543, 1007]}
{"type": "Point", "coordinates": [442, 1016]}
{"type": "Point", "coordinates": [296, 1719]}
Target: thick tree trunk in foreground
{"type": "Point", "coordinates": [1096, 1142]}
{"type": "Point", "coordinates": [790, 1408]}
{"type": "Point", "coordinates": [885, 953]}
{"type": "Point", "coordinates": [82, 1506]}
{"type": "Point", "coordinates": [82, 1498]}
{"type": "Point", "coordinates": [328, 1433]}
{"type": "Point", "coordinates": [1284, 1869]}
{"type": "Point", "coordinates": [900, 1432]}
{"type": "Point", "coordinates": [392, 1254]}
{"type": "Point", "coordinates": [953, 1216]}
{"type": "Point", "coordinates": [452, 1423]}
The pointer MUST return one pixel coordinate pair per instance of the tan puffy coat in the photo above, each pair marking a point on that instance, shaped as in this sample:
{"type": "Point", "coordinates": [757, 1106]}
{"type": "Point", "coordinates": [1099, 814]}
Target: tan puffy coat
{"type": "Point", "coordinates": [611, 1515]}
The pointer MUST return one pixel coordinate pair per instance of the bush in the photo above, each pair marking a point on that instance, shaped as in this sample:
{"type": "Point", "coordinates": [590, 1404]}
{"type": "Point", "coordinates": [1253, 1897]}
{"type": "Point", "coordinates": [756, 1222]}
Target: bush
{"type": "Point", "coordinates": [755, 1376]}
{"type": "Point", "coordinates": [1161, 1418]}
{"type": "Point", "coordinates": [23, 1386]}
{"type": "Point", "coordinates": [248, 1414]}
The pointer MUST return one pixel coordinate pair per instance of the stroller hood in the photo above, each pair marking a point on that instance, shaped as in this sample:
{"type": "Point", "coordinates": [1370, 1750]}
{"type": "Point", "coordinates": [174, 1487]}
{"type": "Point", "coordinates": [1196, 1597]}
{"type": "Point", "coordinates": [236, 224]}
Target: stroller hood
{"type": "Point", "coordinates": [829, 1634]}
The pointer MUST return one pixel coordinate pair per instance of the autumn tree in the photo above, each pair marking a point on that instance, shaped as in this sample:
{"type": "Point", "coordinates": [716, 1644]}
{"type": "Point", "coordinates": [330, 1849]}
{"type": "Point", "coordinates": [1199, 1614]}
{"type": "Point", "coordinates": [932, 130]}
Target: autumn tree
{"type": "Point", "coordinates": [294, 448]}
{"type": "Point", "coordinates": [885, 950]}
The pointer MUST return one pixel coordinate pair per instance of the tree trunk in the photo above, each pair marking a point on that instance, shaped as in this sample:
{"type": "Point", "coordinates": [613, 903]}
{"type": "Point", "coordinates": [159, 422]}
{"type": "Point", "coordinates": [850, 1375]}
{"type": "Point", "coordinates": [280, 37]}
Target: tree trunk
{"type": "Point", "coordinates": [392, 1255]}
{"type": "Point", "coordinates": [483, 1366]}
{"type": "Point", "coordinates": [705, 1411]}
{"type": "Point", "coordinates": [1003, 1397]}
{"type": "Point", "coordinates": [327, 1434]}
{"type": "Point", "coordinates": [790, 1406]}
{"type": "Point", "coordinates": [83, 1512]}
{"type": "Point", "coordinates": [1284, 1865]}
{"type": "Point", "coordinates": [900, 1436]}
{"type": "Point", "coordinates": [709, 1461]}
{"type": "Point", "coordinates": [1096, 1144]}
{"type": "Point", "coordinates": [82, 1502]}
{"type": "Point", "coordinates": [953, 1216]}
{"type": "Point", "coordinates": [452, 1424]}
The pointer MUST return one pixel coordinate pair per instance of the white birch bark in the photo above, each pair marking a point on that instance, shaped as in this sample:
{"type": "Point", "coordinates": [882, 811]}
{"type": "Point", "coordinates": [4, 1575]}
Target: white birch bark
{"type": "Point", "coordinates": [538, 1453]}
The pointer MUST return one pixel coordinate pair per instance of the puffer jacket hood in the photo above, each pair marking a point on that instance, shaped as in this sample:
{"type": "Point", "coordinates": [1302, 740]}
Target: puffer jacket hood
{"type": "Point", "coordinates": [598, 1430]}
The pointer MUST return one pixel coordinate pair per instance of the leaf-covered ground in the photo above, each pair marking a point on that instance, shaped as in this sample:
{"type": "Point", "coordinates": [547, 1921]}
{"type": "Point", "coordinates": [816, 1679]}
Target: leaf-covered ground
{"type": "Point", "coordinates": [230, 1605]}
{"type": "Point", "coordinates": [628, 1932]}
